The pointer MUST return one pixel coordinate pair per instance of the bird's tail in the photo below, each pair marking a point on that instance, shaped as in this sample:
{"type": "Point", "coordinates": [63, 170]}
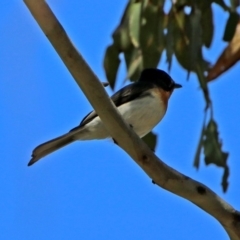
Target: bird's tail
{"type": "Point", "coordinates": [51, 146]}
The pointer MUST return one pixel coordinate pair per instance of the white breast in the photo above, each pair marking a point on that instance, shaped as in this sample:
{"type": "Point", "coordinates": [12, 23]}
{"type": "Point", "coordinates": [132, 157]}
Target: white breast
{"type": "Point", "coordinates": [143, 114]}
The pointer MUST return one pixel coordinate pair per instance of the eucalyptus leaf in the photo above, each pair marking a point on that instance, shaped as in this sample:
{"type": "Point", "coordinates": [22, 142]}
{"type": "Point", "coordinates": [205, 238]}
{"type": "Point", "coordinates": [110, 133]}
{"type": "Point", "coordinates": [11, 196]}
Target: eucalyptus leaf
{"type": "Point", "coordinates": [195, 35]}
{"type": "Point", "coordinates": [169, 43]}
{"type": "Point", "coordinates": [135, 23]}
{"type": "Point", "coordinates": [203, 84]}
{"type": "Point", "coordinates": [146, 30]}
{"type": "Point", "coordinates": [152, 36]}
{"type": "Point", "coordinates": [134, 62]}
{"type": "Point", "coordinates": [207, 26]}
{"type": "Point", "coordinates": [151, 140]}
{"type": "Point", "coordinates": [121, 36]}
{"type": "Point", "coordinates": [234, 4]}
{"type": "Point", "coordinates": [225, 178]}
{"type": "Point", "coordinates": [111, 64]}
{"type": "Point", "coordinates": [213, 151]}
{"type": "Point", "coordinates": [213, 146]}
{"type": "Point", "coordinates": [196, 162]}
{"type": "Point", "coordinates": [231, 26]}
{"type": "Point", "coordinates": [159, 3]}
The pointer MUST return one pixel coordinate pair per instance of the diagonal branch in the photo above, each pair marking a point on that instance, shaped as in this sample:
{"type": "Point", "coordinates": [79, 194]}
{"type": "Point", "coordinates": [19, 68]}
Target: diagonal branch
{"type": "Point", "coordinates": [163, 175]}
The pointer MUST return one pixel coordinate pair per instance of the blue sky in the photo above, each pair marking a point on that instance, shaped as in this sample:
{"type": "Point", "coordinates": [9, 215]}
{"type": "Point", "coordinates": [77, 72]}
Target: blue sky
{"type": "Point", "coordinates": [93, 190]}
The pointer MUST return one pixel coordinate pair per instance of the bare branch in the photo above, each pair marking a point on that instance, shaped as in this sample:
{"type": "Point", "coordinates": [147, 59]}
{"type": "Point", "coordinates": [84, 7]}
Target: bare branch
{"type": "Point", "coordinates": [162, 175]}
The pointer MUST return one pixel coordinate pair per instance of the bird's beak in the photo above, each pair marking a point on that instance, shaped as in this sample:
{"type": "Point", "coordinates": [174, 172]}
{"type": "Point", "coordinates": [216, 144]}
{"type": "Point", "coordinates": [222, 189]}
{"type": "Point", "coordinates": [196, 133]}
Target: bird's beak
{"type": "Point", "coordinates": [176, 85]}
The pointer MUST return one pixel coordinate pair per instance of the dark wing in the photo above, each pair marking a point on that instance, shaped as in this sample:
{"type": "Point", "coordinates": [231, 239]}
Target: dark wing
{"type": "Point", "coordinates": [85, 120]}
{"type": "Point", "coordinates": [126, 94]}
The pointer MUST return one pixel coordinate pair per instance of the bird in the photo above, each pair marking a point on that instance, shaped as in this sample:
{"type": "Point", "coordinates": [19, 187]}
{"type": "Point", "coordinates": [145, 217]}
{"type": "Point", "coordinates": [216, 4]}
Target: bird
{"type": "Point", "coordinates": [142, 104]}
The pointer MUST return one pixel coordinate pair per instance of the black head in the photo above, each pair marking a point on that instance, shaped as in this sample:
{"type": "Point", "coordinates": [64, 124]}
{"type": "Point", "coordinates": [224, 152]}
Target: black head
{"type": "Point", "coordinates": [158, 77]}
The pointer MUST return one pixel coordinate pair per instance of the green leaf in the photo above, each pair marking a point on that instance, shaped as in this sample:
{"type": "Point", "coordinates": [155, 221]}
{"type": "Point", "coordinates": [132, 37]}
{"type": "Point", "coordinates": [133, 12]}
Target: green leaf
{"type": "Point", "coordinates": [134, 23]}
{"type": "Point", "coordinates": [121, 34]}
{"type": "Point", "coordinates": [134, 62]}
{"type": "Point", "coordinates": [170, 42]}
{"type": "Point", "coordinates": [207, 26]}
{"type": "Point", "coordinates": [213, 146]}
{"type": "Point", "coordinates": [195, 35]}
{"type": "Point", "coordinates": [203, 84]}
{"type": "Point", "coordinates": [159, 3]}
{"type": "Point", "coordinates": [231, 26]}
{"type": "Point", "coordinates": [187, 39]}
{"type": "Point", "coordinates": [196, 162]}
{"type": "Point", "coordinates": [181, 31]}
{"type": "Point", "coordinates": [234, 4]}
{"type": "Point", "coordinates": [213, 150]}
{"type": "Point", "coordinates": [225, 179]}
{"type": "Point", "coordinates": [151, 140]}
{"type": "Point", "coordinates": [151, 36]}
{"type": "Point", "coordinates": [180, 4]}
{"type": "Point", "coordinates": [111, 64]}
{"type": "Point", "coordinates": [121, 38]}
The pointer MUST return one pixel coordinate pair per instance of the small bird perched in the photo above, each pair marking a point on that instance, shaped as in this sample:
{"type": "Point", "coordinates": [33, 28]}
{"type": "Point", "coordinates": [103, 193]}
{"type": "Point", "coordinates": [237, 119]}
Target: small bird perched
{"type": "Point", "coordinates": [142, 104]}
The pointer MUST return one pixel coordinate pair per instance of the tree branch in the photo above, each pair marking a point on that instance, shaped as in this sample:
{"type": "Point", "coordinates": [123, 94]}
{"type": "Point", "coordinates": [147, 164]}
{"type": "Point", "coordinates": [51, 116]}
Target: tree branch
{"type": "Point", "coordinates": [163, 175]}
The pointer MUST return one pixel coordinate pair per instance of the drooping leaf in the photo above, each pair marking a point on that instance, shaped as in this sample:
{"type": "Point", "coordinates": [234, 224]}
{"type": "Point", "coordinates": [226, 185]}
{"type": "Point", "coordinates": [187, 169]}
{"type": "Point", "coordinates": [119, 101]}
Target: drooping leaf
{"type": "Point", "coordinates": [207, 26]}
{"type": "Point", "coordinates": [151, 140]}
{"type": "Point", "coordinates": [169, 41]}
{"type": "Point", "coordinates": [158, 3]}
{"type": "Point", "coordinates": [151, 36]}
{"type": "Point", "coordinates": [189, 42]}
{"type": "Point", "coordinates": [213, 146]}
{"type": "Point", "coordinates": [231, 26]}
{"type": "Point", "coordinates": [181, 40]}
{"type": "Point", "coordinates": [111, 64]}
{"type": "Point", "coordinates": [180, 4]}
{"type": "Point", "coordinates": [145, 30]}
{"type": "Point", "coordinates": [195, 35]}
{"type": "Point", "coordinates": [187, 39]}
{"type": "Point", "coordinates": [203, 84]}
{"type": "Point", "coordinates": [121, 36]}
{"type": "Point", "coordinates": [228, 58]}
{"type": "Point", "coordinates": [134, 62]}
{"type": "Point", "coordinates": [234, 4]}
{"type": "Point", "coordinates": [196, 162]}
{"type": "Point", "coordinates": [121, 42]}
{"type": "Point", "coordinates": [213, 150]}
{"type": "Point", "coordinates": [225, 179]}
{"type": "Point", "coordinates": [135, 23]}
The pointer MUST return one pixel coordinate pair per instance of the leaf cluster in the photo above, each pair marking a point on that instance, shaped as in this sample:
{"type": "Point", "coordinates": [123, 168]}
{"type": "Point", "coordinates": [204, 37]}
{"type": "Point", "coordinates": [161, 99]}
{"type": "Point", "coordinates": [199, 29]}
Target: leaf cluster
{"type": "Point", "coordinates": [146, 30]}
